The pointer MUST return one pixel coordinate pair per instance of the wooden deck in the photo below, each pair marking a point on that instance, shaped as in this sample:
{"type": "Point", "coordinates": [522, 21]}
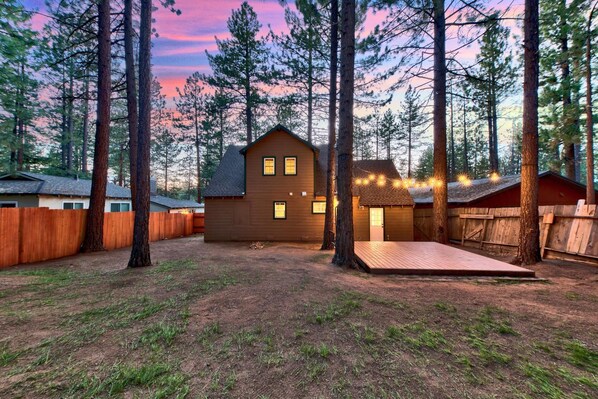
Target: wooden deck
{"type": "Point", "coordinates": [430, 258]}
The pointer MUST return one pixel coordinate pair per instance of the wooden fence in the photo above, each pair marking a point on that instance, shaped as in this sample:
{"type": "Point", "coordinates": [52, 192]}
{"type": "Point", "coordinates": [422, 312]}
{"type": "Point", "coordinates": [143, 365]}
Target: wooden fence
{"type": "Point", "coordinates": [37, 234]}
{"type": "Point", "coordinates": [566, 231]}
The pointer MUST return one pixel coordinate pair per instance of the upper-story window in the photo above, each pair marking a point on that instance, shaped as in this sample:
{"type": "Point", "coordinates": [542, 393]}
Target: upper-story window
{"type": "Point", "coordinates": [290, 166]}
{"type": "Point", "coordinates": [269, 166]}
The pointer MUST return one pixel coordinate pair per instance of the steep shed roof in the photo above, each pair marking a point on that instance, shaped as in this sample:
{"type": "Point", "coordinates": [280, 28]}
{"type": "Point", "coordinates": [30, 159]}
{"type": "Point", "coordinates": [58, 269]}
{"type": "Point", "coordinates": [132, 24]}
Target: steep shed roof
{"type": "Point", "coordinates": [229, 178]}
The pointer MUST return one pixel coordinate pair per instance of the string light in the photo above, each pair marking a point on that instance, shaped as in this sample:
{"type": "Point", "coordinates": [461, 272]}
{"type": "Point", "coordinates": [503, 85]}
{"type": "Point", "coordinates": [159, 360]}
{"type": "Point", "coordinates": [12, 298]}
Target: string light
{"type": "Point", "coordinates": [372, 177]}
{"type": "Point", "coordinates": [494, 177]}
{"type": "Point", "coordinates": [366, 182]}
{"type": "Point", "coordinates": [381, 182]}
{"type": "Point", "coordinates": [396, 183]}
{"type": "Point", "coordinates": [358, 182]}
{"type": "Point", "coordinates": [462, 178]}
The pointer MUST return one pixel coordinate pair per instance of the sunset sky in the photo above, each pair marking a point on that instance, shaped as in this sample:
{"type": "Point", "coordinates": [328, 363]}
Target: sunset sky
{"type": "Point", "coordinates": [183, 39]}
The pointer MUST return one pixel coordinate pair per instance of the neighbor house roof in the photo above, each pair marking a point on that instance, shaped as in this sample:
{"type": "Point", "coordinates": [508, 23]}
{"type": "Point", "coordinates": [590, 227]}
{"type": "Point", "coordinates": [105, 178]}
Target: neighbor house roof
{"type": "Point", "coordinates": [479, 188]}
{"type": "Point", "coordinates": [27, 183]}
{"type": "Point", "coordinates": [37, 183]}
{"type": "Point", "coordinates": [229, 179]}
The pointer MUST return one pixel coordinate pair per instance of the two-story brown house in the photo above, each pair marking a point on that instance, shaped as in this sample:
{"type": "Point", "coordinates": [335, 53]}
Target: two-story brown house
{"type": "Point", "coordinates": [274, 189]}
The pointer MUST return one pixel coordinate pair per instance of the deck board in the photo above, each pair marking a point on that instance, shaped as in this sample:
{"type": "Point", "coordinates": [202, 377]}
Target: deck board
{"type": "Point", "coordinates": [430, 258]}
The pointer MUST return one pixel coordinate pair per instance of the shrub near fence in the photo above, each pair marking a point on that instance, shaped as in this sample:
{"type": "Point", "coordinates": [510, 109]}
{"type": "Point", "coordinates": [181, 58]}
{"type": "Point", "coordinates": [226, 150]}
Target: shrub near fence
{"type": "Point", "coordinates": [37, 234]}
{"type": "Point", "coordinates": [570, 233]}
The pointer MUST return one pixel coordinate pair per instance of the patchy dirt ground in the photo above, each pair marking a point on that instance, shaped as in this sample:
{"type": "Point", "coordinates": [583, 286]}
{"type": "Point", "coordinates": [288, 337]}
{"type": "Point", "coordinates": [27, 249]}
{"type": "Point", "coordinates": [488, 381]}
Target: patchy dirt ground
{"type": "Point", "coordinates": [222, 320]}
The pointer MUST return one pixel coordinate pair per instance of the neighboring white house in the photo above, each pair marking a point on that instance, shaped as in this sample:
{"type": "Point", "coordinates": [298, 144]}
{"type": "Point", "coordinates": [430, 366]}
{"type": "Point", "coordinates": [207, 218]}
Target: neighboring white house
{"type": "Point", "coordinates": [31, 190]}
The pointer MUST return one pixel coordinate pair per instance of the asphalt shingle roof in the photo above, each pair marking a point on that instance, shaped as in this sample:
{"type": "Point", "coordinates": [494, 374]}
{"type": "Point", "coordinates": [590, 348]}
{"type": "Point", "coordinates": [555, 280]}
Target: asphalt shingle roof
{"type": "Point", "coordinates": [59, 185]}
{"type": "Point", "coordinates": [229, 178]}
{"type": "Point", "coordinates": [459, 193]}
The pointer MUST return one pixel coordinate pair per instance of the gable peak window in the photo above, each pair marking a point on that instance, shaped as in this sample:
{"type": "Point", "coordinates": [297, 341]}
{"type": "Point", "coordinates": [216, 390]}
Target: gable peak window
{"type": "Point", "coordinates": [269, 166]}
{"type": "Point", "coordinates": [290, 166]}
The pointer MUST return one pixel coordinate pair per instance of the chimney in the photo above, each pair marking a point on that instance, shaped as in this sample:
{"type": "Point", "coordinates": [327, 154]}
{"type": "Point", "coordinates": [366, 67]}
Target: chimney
{"type": "Point", "coordinates": [153, 186]}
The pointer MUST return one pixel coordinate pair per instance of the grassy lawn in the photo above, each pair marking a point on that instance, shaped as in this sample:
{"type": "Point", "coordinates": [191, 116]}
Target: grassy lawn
{"type": "Point", "coordinates": [221, 320]}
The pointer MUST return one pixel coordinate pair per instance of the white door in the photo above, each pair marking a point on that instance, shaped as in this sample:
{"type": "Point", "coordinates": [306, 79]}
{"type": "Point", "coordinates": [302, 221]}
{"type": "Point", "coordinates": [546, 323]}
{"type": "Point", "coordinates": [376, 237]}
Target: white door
{"type": "Point", "coordinates": [376, 224]}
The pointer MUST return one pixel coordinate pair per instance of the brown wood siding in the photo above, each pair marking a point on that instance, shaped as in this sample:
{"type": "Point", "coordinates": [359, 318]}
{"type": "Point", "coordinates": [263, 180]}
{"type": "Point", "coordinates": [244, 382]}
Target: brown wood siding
{"type": "Point", "coordinates": [251, 218]}
{"type": "Point", "coordinates": [361, 221]}
{"type": "Point", "coordinates": [398, 224]}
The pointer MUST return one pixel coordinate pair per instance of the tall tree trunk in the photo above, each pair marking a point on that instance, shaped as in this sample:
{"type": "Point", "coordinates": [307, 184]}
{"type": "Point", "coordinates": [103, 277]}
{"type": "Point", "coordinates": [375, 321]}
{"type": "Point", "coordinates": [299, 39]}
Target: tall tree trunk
{"type": "Point", "coordinates": [140, 252]}
{"type": "Point", "coordinates": [440, 218]}
{"type": "Point", "coordinates": [494, 164]}
{"type": "Point", "coordinates": [465, 144]}
{"type": "Point", "coordinates": [452, 141]}
{"type": "Point", "coordinates": [409, 144]}
{"type": "Point", "coordinates": [70, 122]}
{"type": "Point", "coordinates": [310, 86]}
{"type": "Point", "coordinates": [197, 152]}
{"type": "Point", "coordinates": [590, 192]}
{"type": "Point", "coordinates": [344, 251]}
{"type": "Point", "coordinates": [568, 150]}
{"type": "Point", "coordinates": [84, 149]}
{"type": "Point", "coordinates": [94, 230]}
{"type": "Point", "coordinates": [328, 241]}
{"type": "Point", "coordinates": [63, 124]}
{"type": "Point", "coordinates": [131, 85]}
{"type": "Point", "coordinates": [528, 251]}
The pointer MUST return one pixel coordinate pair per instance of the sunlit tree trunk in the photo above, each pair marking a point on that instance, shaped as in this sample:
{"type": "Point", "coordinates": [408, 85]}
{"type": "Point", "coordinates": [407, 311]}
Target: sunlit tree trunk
{"type": "Point", "coordinates": [140, 252]}
{"type": "Point", "coordinates": [440, 215]}
{"type": "Point", "coordinates": [94, 230]}
{"type": "Point", "coordinates": [131, 85]}
{"type": "Point", "coordinates": [528, 251]}
{"type": "Point", "coordinates": [328, 240]}
{"type": "Point", "coordinates": [344, 251]}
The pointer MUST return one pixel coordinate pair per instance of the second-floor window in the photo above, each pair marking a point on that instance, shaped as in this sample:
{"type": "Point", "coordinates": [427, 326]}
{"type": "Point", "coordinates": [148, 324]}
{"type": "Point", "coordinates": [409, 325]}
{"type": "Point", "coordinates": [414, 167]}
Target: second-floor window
{"type": "Point", "coordinates": [290, 166]}
{"type": "Point", "coordinates": [269, 167]}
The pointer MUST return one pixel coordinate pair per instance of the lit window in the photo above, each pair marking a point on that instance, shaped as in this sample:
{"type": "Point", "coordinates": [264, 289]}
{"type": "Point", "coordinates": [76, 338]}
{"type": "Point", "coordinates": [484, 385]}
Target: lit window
{"type": "Point", "coordinates": [290, 166]}
{"type": "Point", "coordinates": [72, 205]}
{"type": "Point", "coordinates": [269, 166]}
{"type": "Point", "coordinates": [318, 207]}
{"type": "Point", "coordinates": [120, 207]}
{"type": "Point", "coordinates": [280, 210]}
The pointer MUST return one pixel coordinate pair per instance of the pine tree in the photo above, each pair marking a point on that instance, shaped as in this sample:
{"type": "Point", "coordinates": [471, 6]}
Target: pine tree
{"type": "Point", "coordinates": [411, 124]}
{"type": "Point", "coordinates": [19, 87]}
{"type": "Point", "coordinates": [389, 132]}
{"type": "Point", "coordinates": [528, 250]}
{"type": "Point", "coordinates": [94, 229]}
{"type": "Point", "coordinates": [304, 55]}
{"type": "Point", "coordinates": [344, 254]}
{"type": "Point", "coordinates": [242, 64]}
{"type": "Point", "coordinates": [191, 104]}
{"type": "Point", "coordinates": [140, 251]}
{"type": "Point", "coordinates": [493, 80]}
{"type": "Point", "coordinates": [562, 30]}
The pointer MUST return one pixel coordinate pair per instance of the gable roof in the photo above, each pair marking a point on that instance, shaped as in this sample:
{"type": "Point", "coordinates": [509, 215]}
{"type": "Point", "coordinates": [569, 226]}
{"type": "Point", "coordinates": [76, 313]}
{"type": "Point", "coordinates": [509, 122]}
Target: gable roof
{"type": "Point", "coordinates": [40, 184]}
{"type": "Point", "coordinates": [277, 128]}
{"type": "Point", "coordinates": [28, 183]}
{"type": "Point", "coordinates": [229, 179]}
{"type": "Point", "coordinates": [479, 188]}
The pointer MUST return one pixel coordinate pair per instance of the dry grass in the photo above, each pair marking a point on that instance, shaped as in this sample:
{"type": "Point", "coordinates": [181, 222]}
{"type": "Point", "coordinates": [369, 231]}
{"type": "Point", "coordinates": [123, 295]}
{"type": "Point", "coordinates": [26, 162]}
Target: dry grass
{"type": "Point", "coordinates": [222, 320]}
